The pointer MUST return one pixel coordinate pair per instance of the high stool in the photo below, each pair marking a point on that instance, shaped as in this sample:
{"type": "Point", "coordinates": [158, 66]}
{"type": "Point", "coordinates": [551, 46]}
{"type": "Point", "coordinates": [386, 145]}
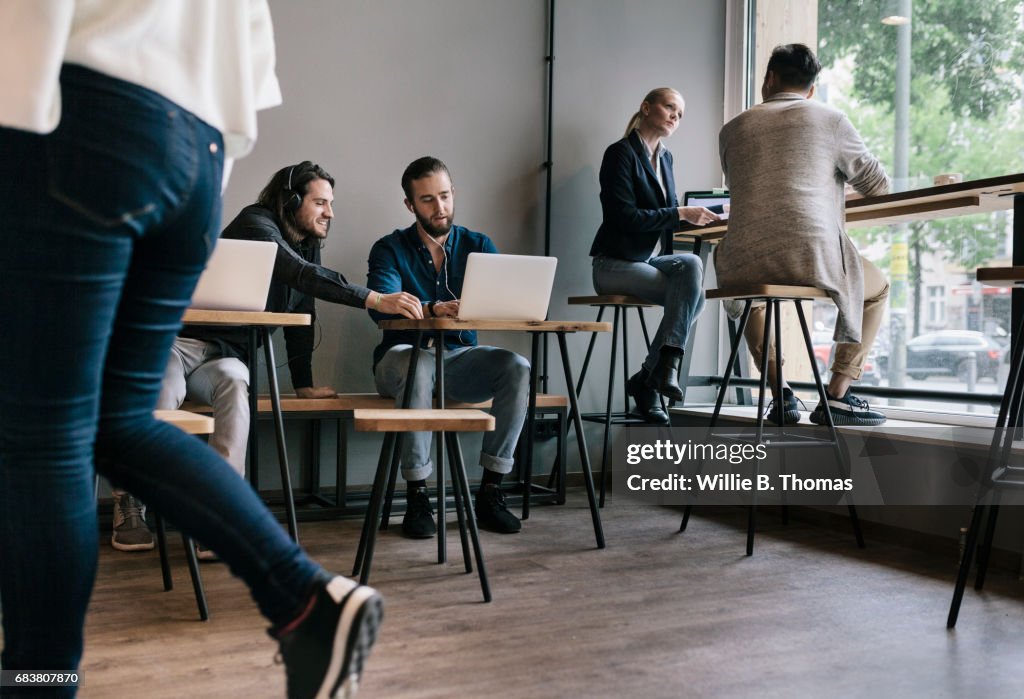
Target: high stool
{"type": "Point", "coordinates": [1000, 473]}
{"type": "Point", "coordinates": [773, 296]}
{"type": "Point", "coordinates": [447, 423]}
{"type": "Point", "coordinates": [620, 304]}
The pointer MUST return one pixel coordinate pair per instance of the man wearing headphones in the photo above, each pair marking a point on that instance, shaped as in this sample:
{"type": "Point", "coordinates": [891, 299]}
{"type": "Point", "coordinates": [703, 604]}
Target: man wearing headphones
{"type": "Point", "coordinates": [428, 260]}
{"type": "Point", "coordinates": [209, 364]}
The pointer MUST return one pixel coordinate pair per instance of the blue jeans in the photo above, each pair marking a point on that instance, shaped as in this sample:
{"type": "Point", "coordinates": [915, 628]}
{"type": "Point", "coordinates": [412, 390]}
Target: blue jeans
{"type": "Point", "coordinates": [673, 281]}
{"type": "Point", "coordinates": [471, 375]}
{"type": "Point", "coordinates": [106, 225]}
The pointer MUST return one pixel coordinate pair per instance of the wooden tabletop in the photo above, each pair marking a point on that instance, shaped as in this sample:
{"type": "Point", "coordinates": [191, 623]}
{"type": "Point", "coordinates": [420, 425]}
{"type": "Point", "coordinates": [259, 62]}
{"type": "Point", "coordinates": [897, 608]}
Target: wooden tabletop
{"type": "Point", "coordinates": [1001, 276]}
{"type": "Point", "coordinates": [194, 316]}
{"type": "Point", "coordinates": [569, 326]}
{"type": "Point", "coordinates": [945, 201]}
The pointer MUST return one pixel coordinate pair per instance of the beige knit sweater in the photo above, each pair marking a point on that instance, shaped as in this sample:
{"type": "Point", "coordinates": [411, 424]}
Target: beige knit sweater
{"type": "Point", "coordinates": [785, 162]}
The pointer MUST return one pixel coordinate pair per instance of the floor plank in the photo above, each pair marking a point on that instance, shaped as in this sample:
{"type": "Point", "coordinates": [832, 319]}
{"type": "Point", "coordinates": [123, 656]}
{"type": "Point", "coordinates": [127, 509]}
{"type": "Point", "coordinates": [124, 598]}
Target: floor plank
{"type": "Point", "coordinates": [656, 614]}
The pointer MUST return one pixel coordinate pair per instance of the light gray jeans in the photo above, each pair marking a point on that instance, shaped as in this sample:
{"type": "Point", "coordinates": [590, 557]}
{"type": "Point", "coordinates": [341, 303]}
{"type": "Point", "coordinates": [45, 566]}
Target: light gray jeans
{"type": "Point", "coordinates": [675, 282]}
{"type": "Point", "coordinates": [197, 370]}
{"type": "Point", "coordinates": [471, 375]}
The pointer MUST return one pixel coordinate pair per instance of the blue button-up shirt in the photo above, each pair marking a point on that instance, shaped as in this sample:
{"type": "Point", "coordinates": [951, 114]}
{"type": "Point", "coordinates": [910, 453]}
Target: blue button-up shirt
{"type": "Point", "coordinates": [402, 262]}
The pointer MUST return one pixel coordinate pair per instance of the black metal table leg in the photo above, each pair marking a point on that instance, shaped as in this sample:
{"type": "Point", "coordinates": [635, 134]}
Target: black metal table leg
{"type": "Point", "coordinates": [605, 443]}
{"type": "Point", "coordinates": [282, 452]}
{"type": "Point", "coordinates": [410, 377]}
{"type": "Point", "coordinates": [442, 550]}
{"type": "Point", "coordinates": [531, 422]}
{"type": "Point", "coordinates": [254, 406]}
{"type": "Point", "coordinates": [588, 479]}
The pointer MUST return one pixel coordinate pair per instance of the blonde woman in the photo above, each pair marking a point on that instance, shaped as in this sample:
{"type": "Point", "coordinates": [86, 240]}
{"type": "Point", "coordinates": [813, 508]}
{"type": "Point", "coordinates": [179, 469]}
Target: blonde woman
{"type": "Point", "coordinates": [632, 250]}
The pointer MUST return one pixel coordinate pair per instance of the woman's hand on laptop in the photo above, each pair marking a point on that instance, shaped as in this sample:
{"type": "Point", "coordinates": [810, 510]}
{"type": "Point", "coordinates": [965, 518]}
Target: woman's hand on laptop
{"type": "Point", "coordinates": [399, 303]}
{"type": "Point", "coordinates": [697, 215]}
{"type": "Point", "coordinates": [446, 309]}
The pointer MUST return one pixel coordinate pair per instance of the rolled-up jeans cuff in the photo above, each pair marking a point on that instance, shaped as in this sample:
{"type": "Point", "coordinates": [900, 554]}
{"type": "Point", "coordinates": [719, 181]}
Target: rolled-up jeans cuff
{"type": "Point", "coordinates": [496, 463]}
{"type": "Point", "coordinates": [417, 473]}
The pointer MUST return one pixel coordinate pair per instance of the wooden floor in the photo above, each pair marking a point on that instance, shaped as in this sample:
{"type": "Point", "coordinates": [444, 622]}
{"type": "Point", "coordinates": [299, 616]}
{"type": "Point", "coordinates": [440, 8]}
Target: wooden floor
{"type": "Point", "coordinates": [656, 614]}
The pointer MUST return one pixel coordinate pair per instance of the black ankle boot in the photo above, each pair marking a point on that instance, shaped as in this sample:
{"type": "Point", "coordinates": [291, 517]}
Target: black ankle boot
{"type": "Point", "coordinates": [665, 377]}
{"type": "Point", "coordinates": [648, 407]}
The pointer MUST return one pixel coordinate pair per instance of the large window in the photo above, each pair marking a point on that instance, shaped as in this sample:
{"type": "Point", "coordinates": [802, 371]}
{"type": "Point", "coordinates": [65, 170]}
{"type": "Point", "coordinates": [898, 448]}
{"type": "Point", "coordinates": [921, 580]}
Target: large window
{"type": "Point", "coordinates": [936, 88]}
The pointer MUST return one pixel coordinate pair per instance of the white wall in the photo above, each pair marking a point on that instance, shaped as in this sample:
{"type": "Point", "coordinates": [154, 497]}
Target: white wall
{"type": "Point", "coordinates": [370, 86]}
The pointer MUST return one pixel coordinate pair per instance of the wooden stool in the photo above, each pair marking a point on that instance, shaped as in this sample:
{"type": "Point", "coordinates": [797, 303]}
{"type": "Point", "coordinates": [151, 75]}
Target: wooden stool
{"type": "Point", "coordinates": [620, 304]}
{"type": "Point", "coordinates": [773, 296]}
{"type": "Point", "coordinates": [447, 424]}
{"type": "Point", "coordinates": [1000, 474]}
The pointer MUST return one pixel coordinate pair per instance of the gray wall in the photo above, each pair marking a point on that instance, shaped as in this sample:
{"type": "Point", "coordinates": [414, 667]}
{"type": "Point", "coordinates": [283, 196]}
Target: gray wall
{"type": "Point", "coordinates": [608, 56]}
{"type": "Point", "coordinates": [369, 86]}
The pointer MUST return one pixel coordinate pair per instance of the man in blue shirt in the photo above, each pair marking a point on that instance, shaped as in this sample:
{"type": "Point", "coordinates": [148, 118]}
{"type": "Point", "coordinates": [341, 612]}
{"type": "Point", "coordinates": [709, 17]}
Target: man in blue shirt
{"type": "Point", "coordinates": [428, 260]}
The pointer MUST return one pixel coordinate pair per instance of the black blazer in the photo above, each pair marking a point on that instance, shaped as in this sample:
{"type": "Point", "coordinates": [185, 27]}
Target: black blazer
{"type": "Point", "coordinates": [636, 212]}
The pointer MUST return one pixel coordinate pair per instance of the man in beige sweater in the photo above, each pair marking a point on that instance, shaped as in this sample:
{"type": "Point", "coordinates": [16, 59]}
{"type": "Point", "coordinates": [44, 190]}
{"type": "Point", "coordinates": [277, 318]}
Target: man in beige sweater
{"type": "Point", "coordinates": [786, 162]}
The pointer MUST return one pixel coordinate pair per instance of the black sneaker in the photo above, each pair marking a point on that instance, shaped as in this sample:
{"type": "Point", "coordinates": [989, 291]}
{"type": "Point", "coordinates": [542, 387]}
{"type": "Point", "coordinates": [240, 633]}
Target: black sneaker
{"type": "Point", "coordinates": [790, 409]}
{"type": "Point", "coordinates": [130, 530]}
{"type": "Point", "coordinates": [325, 648]}
{"type": "Point", "coordinates": [848, 410]}
{"type": "Point", "coordinates": [418, 522]}
{"type": "Point", "coordinates": [491, 513]}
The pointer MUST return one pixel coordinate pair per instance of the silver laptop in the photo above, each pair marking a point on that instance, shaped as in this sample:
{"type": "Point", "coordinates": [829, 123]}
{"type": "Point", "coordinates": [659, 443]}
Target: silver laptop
{"type": "Point", "coordinates": [237, 277]}
{"type": "Point", "coordinates": [506, 287]}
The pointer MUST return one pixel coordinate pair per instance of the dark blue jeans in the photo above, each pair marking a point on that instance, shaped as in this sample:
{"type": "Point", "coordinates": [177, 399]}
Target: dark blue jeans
{"type": "Point", "coordinates": [105, 226]}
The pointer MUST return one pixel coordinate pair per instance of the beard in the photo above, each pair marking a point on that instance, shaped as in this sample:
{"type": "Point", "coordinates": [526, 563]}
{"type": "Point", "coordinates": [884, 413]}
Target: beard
{"type": "Point", "coordinates": [313, 232]}
{"type": "Point", "coordinates": [433, 231]}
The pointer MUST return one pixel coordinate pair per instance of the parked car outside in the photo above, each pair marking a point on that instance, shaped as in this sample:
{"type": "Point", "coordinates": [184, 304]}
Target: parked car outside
{"type": "Point", "coordinates": [947, 353]}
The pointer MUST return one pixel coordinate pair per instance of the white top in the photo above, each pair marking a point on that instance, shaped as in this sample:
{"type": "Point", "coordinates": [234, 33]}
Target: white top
{"type": "Point", "coordinates": [215, 58]}
{"type": "Point", "coordinates": [655, 159]}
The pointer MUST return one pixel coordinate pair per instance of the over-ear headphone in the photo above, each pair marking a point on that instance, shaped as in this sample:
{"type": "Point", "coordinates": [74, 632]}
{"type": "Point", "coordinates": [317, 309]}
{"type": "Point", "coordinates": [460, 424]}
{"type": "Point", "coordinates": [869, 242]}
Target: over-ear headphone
{"type": "Point", "coordinates": [292, 199]}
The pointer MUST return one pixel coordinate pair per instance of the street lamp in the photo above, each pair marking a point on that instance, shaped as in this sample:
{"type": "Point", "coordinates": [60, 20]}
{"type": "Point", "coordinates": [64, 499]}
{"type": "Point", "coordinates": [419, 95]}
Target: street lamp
{"type": "Point", "coordinates": [894, 15]}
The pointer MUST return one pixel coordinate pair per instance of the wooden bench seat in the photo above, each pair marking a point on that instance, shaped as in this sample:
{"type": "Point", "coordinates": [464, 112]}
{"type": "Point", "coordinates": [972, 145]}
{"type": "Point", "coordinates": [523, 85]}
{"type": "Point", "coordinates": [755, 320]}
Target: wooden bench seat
{"type": "Point", "coordinates": [398, 420]}
{"type": "Point", "coordinates": [347, 402]}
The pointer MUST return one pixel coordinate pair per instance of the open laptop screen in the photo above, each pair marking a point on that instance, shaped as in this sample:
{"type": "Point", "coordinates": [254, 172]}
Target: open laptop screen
{"type": "Point", "coordinates": [716, 200]}
{"type": "Point", "coordinates": [507, 287]}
